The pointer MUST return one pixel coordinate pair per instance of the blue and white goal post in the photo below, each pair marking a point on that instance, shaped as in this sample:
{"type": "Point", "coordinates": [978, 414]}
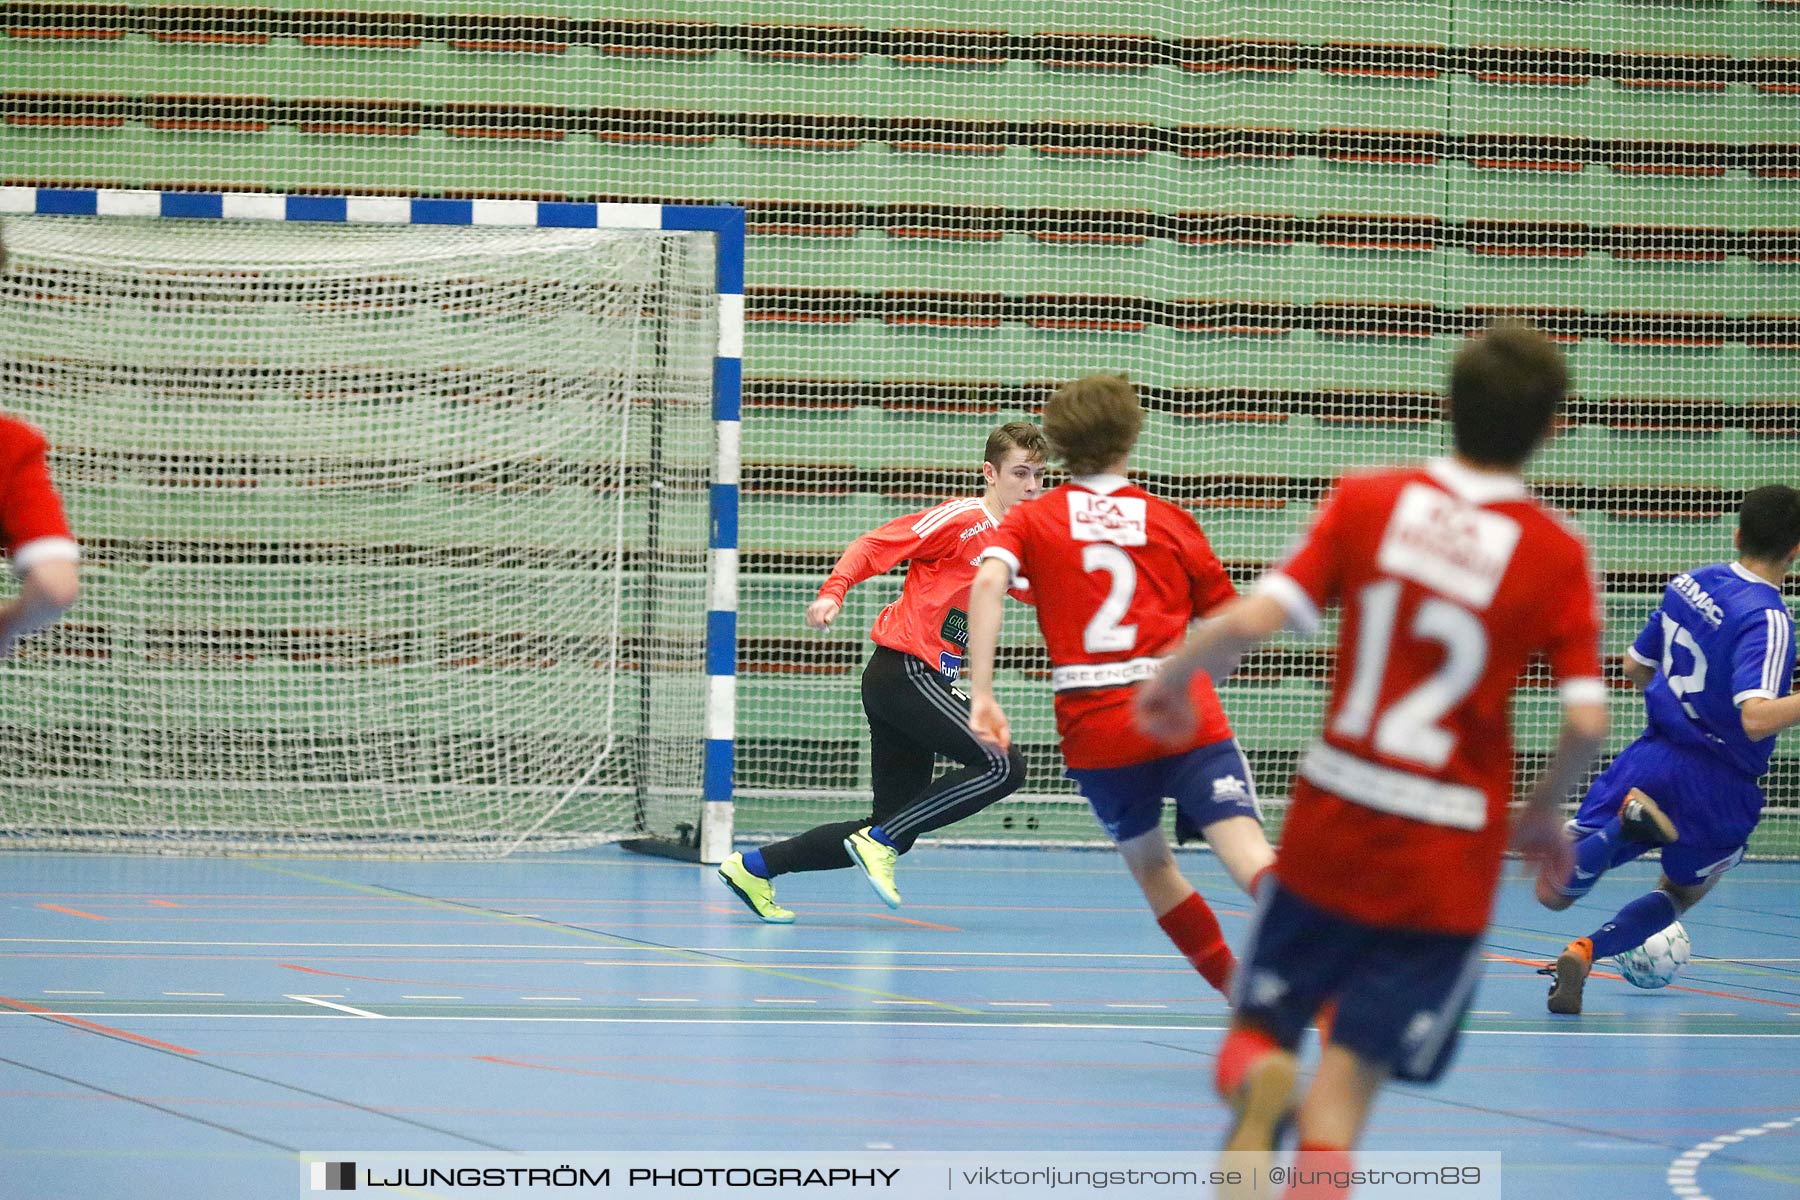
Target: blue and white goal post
{"type": "Point", "coordinates": [506, 693]}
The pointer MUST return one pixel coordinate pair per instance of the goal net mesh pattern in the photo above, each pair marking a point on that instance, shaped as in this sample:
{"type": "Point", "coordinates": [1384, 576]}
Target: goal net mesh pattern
{"type": "Point", "coordinates": [396, 535]}
{"type": "Point", "coordinates": [1278, 217]}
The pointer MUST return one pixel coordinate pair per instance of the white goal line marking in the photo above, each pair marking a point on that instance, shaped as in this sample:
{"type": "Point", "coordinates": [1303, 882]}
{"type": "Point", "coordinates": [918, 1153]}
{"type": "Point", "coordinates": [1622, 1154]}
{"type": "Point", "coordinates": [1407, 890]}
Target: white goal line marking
{"type": "Point", "coordinates": [343, 1008]}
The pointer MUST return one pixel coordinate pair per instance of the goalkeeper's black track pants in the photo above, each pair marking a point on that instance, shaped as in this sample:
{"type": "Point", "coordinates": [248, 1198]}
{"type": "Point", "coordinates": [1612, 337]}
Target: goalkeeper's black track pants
{"type": "Point", "coordinates": [914, 717]}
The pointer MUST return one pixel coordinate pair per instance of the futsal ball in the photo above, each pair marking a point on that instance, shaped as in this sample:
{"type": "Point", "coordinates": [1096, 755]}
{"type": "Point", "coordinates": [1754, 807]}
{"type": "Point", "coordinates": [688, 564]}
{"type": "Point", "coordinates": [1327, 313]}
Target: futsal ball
{"type": "Point", "coordinates": [1655, 963]}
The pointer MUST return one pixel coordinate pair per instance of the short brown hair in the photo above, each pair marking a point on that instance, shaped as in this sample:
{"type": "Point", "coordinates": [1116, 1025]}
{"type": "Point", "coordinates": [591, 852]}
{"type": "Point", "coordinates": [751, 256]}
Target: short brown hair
{"type": "Point", "coordinates": [1093, 422]}
{"type": "Point", "coordinates": [1506, 387]}
{"type": "Point", "coordinates": [1769, 522]}
{"type": "Point", "coordinates": [1021, 435]}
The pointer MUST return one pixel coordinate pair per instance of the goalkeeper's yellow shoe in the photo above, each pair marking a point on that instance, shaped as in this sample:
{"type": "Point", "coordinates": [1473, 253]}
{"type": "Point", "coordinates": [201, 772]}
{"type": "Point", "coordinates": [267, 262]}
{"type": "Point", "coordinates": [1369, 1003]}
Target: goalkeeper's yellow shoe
{"type": "Point", "coordinates": [757, 893]}
{"type": "Point", "coordinates": [876, 861]}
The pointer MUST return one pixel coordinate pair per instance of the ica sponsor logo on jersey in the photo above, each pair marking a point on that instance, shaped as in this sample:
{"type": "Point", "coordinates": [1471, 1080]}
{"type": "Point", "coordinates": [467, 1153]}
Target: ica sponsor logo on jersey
{"type": "Point", "coordinates": [1121, 520]}
{"type": "Point", "coordinates": [1453, 548]}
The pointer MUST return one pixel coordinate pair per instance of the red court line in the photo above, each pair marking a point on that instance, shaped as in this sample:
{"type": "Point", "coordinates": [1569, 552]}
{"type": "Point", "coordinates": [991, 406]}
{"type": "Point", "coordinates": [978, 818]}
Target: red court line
{"type": "Point", "coordinates": [165, 904]}
{"type": "Point", "coordinates": [1673, 987]}
{"type": "Point", "coordinates": [73, 912]}
{"type": "Point", "coordinates": [27, 1007]}
{"type": "Point", "coordinates": [912, 921]}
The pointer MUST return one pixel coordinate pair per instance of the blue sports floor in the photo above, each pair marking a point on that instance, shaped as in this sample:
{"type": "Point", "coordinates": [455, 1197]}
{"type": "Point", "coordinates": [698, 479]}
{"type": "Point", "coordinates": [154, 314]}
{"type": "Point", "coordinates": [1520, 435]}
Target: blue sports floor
{"type": "Point", "coordinates": [210, 1018]}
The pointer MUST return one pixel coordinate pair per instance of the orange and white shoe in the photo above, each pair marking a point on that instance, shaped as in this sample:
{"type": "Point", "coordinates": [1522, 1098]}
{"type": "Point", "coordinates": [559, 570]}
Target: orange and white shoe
{"type": "Point", "coordinates": [1571, 972]}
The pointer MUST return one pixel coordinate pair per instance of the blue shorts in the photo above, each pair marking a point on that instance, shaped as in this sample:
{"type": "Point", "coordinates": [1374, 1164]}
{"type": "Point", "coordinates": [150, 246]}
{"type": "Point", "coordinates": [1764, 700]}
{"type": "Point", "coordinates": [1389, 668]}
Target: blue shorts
{"type": "Point", "coordinates": [1401, 994]}
{"type": "Point", "coordinates": [1207, 783]}
{"type": "Point", "coordinates": [1714, 806]}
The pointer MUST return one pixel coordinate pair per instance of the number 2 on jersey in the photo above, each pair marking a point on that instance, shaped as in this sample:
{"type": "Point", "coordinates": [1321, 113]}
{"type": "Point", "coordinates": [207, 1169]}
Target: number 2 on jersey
{"type": "Point", "coordinates": [1409, 728]}
{"type": "Point", "coordinates": [1692, 681]}
{"type": "Point", "coordinates": [1104, 634]}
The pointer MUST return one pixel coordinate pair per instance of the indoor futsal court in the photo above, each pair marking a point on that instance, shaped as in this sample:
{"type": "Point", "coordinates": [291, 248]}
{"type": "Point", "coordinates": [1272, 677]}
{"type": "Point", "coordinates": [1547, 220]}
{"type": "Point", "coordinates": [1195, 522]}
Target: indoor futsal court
{"type": "Point", "coordinates": [202, 1021]}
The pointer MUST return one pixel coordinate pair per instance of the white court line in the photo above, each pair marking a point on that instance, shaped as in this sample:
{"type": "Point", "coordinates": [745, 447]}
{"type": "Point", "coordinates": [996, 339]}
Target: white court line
{"type": "Point", "coordinates": [56, 992]}
{"type": "Point", "coordinates": [779, 1000]}
{"type": "Point", "coordinates": [1681, 1172]}
{"type": "Point", "coordinates": [1137, 1006]}
{"type": "Point", "coordinates": [810, 1020]}
{"type": "Point", "coordinates": [345, 1008]}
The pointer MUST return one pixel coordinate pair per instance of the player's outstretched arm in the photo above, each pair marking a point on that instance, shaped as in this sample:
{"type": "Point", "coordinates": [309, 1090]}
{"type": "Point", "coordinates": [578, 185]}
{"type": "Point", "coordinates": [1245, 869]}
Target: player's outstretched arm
{"type": "Point", "coordinates": [876, 553]}
{"type": "Point", "coordinates": [987, 721]}
{"type": "Point", "coordinates": [46, 593]}
{"type": "Point", "coordinates": [1538, 831]}
{"type": "Point", "coordinates": [1216, 646]}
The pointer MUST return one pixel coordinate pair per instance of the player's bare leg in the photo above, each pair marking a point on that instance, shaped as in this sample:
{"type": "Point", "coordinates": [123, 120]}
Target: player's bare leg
{"type": "Point", "coordinates": [1333, 1114]}
{"type": "Point", "coordinates": [1184, 916]}
{"type": "Point", "coordinates": [1243, 849]}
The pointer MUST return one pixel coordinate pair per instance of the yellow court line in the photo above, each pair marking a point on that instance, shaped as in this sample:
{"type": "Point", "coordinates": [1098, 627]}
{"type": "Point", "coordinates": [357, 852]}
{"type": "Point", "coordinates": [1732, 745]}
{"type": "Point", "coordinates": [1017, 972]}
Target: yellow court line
{"type": "Point", "coordinates": [607, 939]}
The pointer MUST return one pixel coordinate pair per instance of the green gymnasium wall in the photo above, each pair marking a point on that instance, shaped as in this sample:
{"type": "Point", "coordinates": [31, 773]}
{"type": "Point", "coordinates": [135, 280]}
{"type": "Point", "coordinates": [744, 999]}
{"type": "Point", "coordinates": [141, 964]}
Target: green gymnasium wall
{"type": "Point", "coordinates": [1277, 216]}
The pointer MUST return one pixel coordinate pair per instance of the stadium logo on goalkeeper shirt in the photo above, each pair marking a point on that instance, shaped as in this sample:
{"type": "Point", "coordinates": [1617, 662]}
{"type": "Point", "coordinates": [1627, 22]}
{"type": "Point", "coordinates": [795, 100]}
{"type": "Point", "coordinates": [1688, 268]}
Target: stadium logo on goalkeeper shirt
{"type": "Point", "coordinates": [334, 1177]}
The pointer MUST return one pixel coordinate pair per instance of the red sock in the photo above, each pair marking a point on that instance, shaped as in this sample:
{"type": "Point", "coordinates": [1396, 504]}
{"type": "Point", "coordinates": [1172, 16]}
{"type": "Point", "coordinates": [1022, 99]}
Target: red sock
{"type": "Point", "coordinates": [1242, 1049]}
{"type": "Point", "coordinates": [1317, 1173]}
{"type": "Point", "coordinates": [1195, 932]}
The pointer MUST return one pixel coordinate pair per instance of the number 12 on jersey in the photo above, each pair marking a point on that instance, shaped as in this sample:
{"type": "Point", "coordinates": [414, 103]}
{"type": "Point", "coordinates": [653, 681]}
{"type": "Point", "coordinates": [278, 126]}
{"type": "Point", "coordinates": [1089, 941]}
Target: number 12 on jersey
{"type": "Point", "coordinates": [1410, 728]}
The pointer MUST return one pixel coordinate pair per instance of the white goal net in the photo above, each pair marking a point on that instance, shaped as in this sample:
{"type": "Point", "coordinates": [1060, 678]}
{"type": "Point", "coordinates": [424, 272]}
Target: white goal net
{"type": "Point", "coordinates": [395, 536]}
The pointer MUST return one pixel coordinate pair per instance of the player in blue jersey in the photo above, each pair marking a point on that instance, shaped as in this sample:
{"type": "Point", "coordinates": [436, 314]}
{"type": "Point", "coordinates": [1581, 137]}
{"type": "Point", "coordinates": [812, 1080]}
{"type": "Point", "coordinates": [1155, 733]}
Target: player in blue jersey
{"type": "Point", "coordinates": [1716, 661]}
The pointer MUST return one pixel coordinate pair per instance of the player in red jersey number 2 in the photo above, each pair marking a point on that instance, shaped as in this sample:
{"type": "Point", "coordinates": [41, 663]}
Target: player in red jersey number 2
{"type": "Point", "coordinates": [1450, 577]}
{"type": "Point", "coordinates": [1116, 575]}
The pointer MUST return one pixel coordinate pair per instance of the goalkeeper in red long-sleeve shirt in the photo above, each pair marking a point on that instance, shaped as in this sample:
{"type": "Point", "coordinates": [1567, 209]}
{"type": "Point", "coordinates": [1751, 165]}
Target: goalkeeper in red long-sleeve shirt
{"type": "Point", "coordinates": [914, 715]}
